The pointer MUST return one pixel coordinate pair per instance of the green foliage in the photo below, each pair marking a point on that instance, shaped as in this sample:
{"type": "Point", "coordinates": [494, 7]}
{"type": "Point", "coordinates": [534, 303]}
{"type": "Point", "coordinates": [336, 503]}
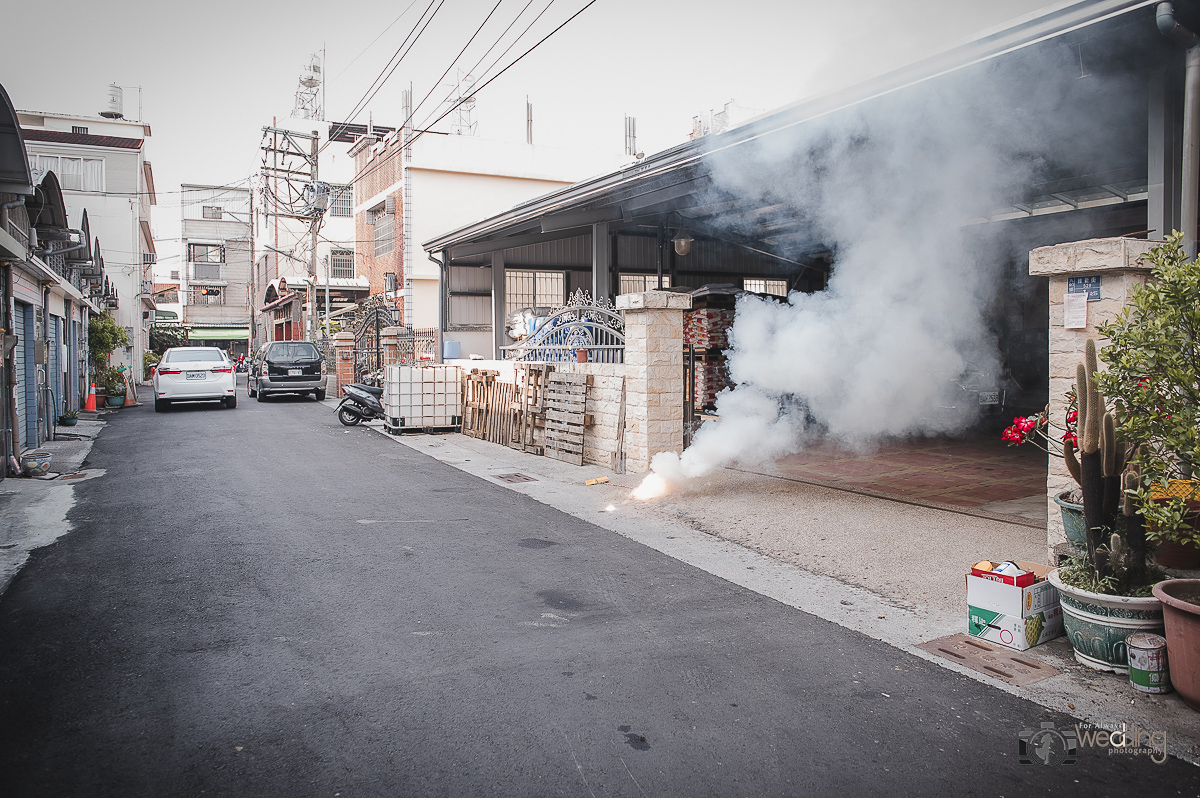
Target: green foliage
{"type": "Point", "coordinates": [149, 359]}
{"type": "Point", "coordinates": [1153, 379]}
{"type": "Point", "coordinates": [104, 336]}
{"type": "Point", "coordinates": [113, 381]}
{"type": "Point", "coordinates": [165, 336]}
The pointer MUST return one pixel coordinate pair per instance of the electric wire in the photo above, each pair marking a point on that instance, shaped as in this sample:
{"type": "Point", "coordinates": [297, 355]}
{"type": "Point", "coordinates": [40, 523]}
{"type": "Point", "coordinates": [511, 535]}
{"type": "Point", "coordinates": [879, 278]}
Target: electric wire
{"type": "Point", "coordinates": [517, 60]}
{"type": "Point", "coordinates": [413, 111]}
{"type": "Point", "coordinates": [372, 44]}
{"type": "Point", "coordinates": [380, 162]}
{"type": "Point", "coordinates": [394, 62]}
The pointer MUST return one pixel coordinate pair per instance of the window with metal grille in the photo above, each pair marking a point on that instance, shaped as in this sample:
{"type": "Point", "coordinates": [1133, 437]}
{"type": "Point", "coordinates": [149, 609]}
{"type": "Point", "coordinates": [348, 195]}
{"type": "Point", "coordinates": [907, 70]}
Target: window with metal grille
{"type": "Point", "coordinates": [533, 289]}
{"type": "Point", "coordinates": [79, 129]}
{"type": "Point", "coordinates": [637, 283]}
{"type": "Point", "coordinates": [341, 263]}
{"type": "Point", "coordinates": [206, 253]}
{"type": "Point", "coordinates": [206, 295]}
{"type": "Point", "coordinates": [341, 201]}
{"type": "Point", "coordinates": [775, 287]}
{"type": "Point", "coordinates": [385, 231]}
{"type": "Point", "coordinates": [210, 212]}
{"type": "Point", "coordinates": [206, 271]}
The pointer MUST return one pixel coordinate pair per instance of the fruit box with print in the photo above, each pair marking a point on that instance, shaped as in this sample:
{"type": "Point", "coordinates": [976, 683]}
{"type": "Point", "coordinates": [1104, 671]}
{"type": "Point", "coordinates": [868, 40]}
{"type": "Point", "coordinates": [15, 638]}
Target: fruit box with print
{"type": "Point", "coordinates": [1016, 613]}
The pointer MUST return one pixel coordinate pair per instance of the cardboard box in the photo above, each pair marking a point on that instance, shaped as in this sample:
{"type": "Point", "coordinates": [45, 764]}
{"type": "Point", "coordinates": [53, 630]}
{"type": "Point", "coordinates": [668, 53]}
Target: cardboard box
{"type": "Point", "coordinates": [1016, 617]}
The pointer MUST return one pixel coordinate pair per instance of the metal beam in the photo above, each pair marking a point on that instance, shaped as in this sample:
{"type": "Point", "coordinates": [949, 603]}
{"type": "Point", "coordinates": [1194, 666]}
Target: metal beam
{"type": "Point", "coordinates": [556, 222]}
{"type": "Point", "coordinates": [601, 262]}
{"type": "Point", "coordinates": [499, 304]}
{"type": "Point", "coordinates": [500, 244]}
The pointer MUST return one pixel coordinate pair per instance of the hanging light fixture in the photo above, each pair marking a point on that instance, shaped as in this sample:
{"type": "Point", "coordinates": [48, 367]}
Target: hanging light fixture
{"type": "Point", "coordinates": [682, 242]}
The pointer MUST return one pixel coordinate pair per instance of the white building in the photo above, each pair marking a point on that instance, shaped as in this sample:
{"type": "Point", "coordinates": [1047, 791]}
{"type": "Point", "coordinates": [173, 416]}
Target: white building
{"type": "Point", "coordinates": [281, 284]}
{"type": "Point", "coordinates": [101, 165]}
{"type": "Point", "coordinates": [449, 181]}
{"type": "Point", "coordinates": [214, 278]}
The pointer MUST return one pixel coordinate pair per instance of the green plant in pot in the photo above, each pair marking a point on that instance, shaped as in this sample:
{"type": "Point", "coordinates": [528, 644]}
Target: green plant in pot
{"type": "Point", "coordinates": [1106, 592]}
{"type": "Point", "coordinates": [69, 418]}
{"type": "Point", "coordinates": [1153, 378]}
{"type": "Point", "coordinates": [113, 381]}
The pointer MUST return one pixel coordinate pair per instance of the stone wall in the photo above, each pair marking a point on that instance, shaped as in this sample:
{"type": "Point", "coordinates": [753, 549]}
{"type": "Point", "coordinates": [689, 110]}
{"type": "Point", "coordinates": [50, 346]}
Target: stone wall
{"type": "Point", "coordinates": [653, 382]}
{"type": "Point", "coordinates": [1116, 261]}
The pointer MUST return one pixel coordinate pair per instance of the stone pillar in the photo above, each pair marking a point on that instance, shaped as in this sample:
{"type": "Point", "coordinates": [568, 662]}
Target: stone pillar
{"type": "Point", "coordinates": [1116, 262]}
{"type": "Point", "coordinates": [389, 343]}
{"type": "Point", "coordinates": [653, 374]}
{"type": "Point", "coordinates": [341, 371]}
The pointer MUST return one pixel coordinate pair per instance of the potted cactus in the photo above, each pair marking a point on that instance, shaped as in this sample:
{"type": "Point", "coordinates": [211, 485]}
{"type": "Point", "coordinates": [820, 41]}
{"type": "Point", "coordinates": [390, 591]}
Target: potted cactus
{"type": "Point", "coordinates": [1106, 593]}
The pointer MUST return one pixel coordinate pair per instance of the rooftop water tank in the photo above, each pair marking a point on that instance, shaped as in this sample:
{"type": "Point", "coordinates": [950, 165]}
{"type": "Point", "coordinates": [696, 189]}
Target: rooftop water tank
{"type": "Point", "coordinates": [115, 105]}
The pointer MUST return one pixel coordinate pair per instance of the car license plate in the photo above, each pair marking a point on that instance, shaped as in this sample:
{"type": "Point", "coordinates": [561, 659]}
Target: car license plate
{"type": "Point", "coordinates": [295, 372]}
{"type": "Point", "coordinates": [195, 375]}
{"type": "Point", "coordinates": [989, 397]}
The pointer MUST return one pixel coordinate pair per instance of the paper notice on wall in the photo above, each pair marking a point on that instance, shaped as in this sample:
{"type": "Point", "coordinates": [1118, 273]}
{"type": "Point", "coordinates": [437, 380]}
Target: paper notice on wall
{"type": "Point", "coordinates": [1075, 311]}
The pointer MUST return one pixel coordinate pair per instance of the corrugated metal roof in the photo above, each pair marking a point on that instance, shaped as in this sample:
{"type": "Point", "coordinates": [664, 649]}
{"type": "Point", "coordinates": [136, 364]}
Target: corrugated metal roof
{"type": "Point", "coordinates": [675, 168]}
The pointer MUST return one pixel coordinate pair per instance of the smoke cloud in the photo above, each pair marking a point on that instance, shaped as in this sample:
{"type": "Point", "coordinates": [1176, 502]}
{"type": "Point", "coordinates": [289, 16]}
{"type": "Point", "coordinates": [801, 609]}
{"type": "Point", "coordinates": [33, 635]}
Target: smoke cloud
{"type": "Point", "coordinates": [890, 188]}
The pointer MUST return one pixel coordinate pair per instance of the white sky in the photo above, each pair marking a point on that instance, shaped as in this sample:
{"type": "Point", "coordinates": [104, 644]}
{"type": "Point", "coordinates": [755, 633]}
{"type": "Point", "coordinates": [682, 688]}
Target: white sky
{"type": "Point", "coordinates": [213, 74]}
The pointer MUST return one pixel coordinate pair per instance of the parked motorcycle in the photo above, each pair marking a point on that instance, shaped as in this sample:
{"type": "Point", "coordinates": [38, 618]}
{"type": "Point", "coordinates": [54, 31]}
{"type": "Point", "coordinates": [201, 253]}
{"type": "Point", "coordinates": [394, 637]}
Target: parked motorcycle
{"type": "Point", "coordinates": [360, 403]}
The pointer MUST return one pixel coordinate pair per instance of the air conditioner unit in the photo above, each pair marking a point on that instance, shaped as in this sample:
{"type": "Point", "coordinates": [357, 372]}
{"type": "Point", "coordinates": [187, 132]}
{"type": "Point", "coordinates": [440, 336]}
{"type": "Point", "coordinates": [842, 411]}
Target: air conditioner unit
{"type": "Point", "coordinates": [147, 286]}
{"type": "Point", "coordinates": [389, 205]}
{"type": "Point", "coordinates": [149, 258]}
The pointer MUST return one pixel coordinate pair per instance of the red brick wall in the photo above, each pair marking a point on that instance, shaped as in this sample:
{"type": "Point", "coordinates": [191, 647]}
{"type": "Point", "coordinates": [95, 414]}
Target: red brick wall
{"type": "Point", "coordinates": [373, 176]}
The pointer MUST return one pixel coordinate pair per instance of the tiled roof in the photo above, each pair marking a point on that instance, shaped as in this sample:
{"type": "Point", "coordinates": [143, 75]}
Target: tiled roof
{"type": "Point", "coordinates": [86, 139]}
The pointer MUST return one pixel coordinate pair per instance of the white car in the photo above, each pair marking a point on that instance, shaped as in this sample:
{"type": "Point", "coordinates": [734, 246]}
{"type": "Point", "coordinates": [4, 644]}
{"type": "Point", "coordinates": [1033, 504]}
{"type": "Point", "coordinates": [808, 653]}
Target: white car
{"type": "Point", "coordinates": [194, 373]}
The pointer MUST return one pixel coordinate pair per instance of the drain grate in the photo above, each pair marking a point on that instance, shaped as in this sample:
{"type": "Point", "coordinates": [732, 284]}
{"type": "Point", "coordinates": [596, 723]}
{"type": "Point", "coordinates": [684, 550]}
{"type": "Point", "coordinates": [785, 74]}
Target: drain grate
{"type": "Point", "coordinates": [1013, 667]}
{"type": "Point", "coordinates": [515, 478]}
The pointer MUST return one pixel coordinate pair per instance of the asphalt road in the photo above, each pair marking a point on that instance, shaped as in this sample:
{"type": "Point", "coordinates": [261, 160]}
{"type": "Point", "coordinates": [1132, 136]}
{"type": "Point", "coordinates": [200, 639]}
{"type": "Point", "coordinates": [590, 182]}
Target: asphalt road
{"type": "Point", "coordinates": [258, 602]}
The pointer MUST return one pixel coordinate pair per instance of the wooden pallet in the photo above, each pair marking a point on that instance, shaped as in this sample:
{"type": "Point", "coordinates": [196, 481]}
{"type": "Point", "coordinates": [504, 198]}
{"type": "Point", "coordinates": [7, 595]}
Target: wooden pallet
{"type": "Point", "coordinates": [530, 407]}
{"type": "Point", "coordinates": [566, 404]}
{"type": "Point", "coordinates": [488, 407]}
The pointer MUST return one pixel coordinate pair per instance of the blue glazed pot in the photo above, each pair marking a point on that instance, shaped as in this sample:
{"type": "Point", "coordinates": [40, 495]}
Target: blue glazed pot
{"type": "Point", "coordinates": [1097, 625]}
{"type": "Point", "coordinates": [36, 463]}
{"type": "Point", "coordinates": [1072, 518]}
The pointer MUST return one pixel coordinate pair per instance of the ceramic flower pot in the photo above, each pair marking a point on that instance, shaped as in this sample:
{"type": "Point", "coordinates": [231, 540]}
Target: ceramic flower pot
{"type": "Point", "coordinates": [115, 401]}
{"type": "Point", "coordinates": [1072, 518]}
{"type": "Point", "coordinates": [1172, 554]}
{"type": "Point", "coordinates": [1097, 625]}
{"type": "Point", "coordinates": [35, 463]}
{"type": "Point", "coordinates": [1181, 614]}
{"type": "Point", "coordinates": [68, 421]}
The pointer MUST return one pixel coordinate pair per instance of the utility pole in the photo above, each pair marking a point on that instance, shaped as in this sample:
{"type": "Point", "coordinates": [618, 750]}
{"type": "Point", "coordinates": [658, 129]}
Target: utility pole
{"type": "Point", "coordinates": [289, 164]}
{"type": "Point", "coordinates": [312, 255]}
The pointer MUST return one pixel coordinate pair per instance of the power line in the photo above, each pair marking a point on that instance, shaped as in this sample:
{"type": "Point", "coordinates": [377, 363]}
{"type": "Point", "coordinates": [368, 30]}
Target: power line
{"type": "Point", "coordinates": [396, 58]}
{"type": "Point", "coordinates": [372, 44]}
{"type": "Point", "coordinates": [379, 163]}
{"type": "Point", "coordinates": [412, 112]}
{"type": "Point", "coordinates": [502, 71]}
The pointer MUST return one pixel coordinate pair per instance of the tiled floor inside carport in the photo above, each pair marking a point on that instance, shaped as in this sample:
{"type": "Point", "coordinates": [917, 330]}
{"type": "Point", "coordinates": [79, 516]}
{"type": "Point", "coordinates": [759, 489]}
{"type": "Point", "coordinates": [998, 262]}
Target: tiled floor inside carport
{"type": "Point", "coordinates": [978, 474]}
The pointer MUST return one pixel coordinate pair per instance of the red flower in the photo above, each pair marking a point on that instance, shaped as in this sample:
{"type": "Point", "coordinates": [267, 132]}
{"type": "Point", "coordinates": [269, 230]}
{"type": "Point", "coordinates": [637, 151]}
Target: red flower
{"type": "Point", "coordinates": [1070, 436]}
{"type": "Point", "coordinates": [1072, 417]}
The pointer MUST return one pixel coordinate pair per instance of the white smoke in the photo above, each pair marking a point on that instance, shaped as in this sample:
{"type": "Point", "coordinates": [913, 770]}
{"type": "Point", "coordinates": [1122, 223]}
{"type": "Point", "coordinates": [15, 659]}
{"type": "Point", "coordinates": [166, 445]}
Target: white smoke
{"type": "Point", "coordinates": [890, 189]}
